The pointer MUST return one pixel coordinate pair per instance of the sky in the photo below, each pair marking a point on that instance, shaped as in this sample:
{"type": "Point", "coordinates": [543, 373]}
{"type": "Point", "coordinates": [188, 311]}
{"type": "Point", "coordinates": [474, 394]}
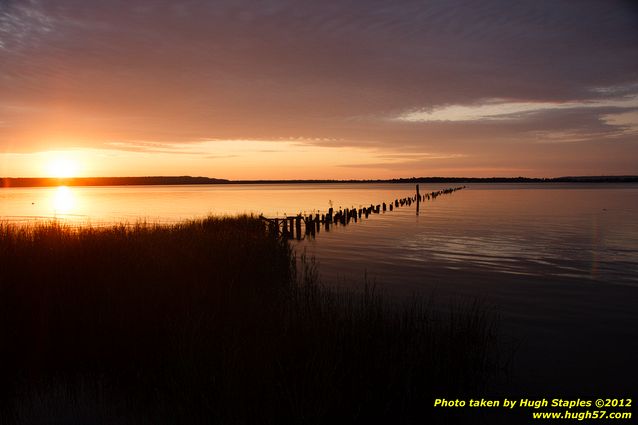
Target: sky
{"type": "Point", "coordinates": [318, 89]}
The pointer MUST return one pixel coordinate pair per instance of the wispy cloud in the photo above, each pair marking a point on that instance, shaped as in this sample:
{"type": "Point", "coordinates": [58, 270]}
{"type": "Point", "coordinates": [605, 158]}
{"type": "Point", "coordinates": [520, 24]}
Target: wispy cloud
{"type": "Point", "coordinates": [502, 109]}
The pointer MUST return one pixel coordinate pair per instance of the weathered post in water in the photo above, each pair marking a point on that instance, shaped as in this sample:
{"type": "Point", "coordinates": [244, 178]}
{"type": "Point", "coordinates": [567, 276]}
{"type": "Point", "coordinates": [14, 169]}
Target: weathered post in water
{"type": "Point", "coordinates": [298, 227]}
{"type": "Point", "coordinates": [310, 226]}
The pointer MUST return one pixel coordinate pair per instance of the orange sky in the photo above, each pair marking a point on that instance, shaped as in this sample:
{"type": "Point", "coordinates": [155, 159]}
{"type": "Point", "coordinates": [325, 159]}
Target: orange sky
{"type": "Point", "coordinates": [283, 90]}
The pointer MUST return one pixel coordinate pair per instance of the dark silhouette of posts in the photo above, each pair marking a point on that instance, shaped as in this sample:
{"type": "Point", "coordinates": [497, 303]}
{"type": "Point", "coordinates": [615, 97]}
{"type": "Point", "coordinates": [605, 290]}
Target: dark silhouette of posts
{"type": "Point", "coordinates": [275, 228]}
{"type": "Point", "coordinates": [310, 225]}
{"type": "Point", "coordinates": [298, 227]}
{"type": "Point", "coordinates": [291, 226]}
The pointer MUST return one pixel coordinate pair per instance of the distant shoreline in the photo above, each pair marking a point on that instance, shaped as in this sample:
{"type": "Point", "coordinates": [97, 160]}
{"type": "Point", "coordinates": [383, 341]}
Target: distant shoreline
{"type": "Point", "coordinates": [188, 180]}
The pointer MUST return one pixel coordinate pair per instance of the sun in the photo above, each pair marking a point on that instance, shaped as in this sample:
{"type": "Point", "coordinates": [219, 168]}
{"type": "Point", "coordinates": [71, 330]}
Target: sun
{"type": "Point", "coordinates": [62, 167]}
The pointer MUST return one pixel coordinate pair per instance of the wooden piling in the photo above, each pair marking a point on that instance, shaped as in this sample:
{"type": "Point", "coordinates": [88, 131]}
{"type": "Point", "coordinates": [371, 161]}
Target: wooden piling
{"type": "Point", "coordinates": [310, 226]}
{"type": "Point", "coordinates": [298, 227]}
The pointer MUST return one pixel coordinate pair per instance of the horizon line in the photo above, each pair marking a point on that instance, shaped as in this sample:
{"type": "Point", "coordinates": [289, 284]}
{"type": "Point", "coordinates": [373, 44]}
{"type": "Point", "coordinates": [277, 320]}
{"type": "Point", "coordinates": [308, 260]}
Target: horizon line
{"type": "Point", "coordinates": [6, 182]}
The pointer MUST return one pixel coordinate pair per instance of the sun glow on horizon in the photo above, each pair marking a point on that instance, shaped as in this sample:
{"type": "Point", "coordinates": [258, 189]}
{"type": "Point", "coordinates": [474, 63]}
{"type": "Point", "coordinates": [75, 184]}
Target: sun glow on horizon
{"type": "Point", "coordinates": [62, 167]}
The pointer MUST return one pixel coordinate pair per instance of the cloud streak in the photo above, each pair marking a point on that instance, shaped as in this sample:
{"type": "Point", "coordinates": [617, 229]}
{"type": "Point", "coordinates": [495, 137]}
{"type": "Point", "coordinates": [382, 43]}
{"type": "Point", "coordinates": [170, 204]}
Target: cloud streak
{"type": "Point", "coordinates": [501, 109]}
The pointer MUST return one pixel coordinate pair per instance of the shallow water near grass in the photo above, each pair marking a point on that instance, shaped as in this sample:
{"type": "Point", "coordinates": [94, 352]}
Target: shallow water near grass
{"type": "Point", "coordinates": [558, 261]}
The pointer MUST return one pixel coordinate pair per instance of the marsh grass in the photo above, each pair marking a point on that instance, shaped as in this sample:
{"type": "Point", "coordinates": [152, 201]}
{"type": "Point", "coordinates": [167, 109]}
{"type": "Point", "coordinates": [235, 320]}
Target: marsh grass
{"type": "Point", "coordinates": [211, 322]}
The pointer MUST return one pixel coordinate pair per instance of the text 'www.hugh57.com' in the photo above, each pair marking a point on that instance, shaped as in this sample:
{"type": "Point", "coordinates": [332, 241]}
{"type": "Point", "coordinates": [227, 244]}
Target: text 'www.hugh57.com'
{"type": "Point", "coordinates": [555, 408]}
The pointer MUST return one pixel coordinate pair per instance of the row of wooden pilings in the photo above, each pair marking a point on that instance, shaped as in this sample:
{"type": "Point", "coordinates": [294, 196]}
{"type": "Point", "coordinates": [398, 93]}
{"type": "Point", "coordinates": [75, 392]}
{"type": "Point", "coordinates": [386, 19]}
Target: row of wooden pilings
{"type": "Point", "coordinates": [291, 227]}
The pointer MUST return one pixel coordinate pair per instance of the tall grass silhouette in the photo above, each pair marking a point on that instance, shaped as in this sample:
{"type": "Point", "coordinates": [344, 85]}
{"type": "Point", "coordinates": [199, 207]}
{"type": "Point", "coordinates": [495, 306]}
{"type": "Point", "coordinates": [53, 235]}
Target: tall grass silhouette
{"type": "Point", "coordinates": [211, 322]}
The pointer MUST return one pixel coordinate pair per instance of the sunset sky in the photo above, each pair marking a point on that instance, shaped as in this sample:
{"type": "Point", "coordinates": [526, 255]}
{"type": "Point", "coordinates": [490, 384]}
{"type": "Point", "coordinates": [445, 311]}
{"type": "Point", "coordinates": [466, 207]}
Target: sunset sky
{"type": "Point", "coordinates": [325, 89]}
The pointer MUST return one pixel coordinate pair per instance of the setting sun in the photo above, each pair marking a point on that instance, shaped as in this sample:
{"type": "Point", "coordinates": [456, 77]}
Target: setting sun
{"type": "Point", "coordinates": [62, 167]}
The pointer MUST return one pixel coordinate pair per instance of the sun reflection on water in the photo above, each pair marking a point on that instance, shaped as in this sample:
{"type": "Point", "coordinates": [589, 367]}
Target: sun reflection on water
{"type": "Point", "coordinates": [63, 200]}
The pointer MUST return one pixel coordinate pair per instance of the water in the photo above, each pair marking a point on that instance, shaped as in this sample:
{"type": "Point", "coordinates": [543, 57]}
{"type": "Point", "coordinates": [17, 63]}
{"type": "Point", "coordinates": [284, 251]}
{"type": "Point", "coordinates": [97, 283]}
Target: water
{"type": "Point", "coordinates": [115, 204]}
{"type": "Point", "coordinates": [559, 262]}
{"type": "Point", "coordinates": [588, 233]}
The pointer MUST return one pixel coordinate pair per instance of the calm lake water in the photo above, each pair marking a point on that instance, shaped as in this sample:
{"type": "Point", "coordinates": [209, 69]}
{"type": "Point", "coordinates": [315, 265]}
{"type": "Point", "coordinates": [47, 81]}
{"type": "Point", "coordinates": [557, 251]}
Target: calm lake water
{"type": "Point", "coordinates": [559, 262]}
